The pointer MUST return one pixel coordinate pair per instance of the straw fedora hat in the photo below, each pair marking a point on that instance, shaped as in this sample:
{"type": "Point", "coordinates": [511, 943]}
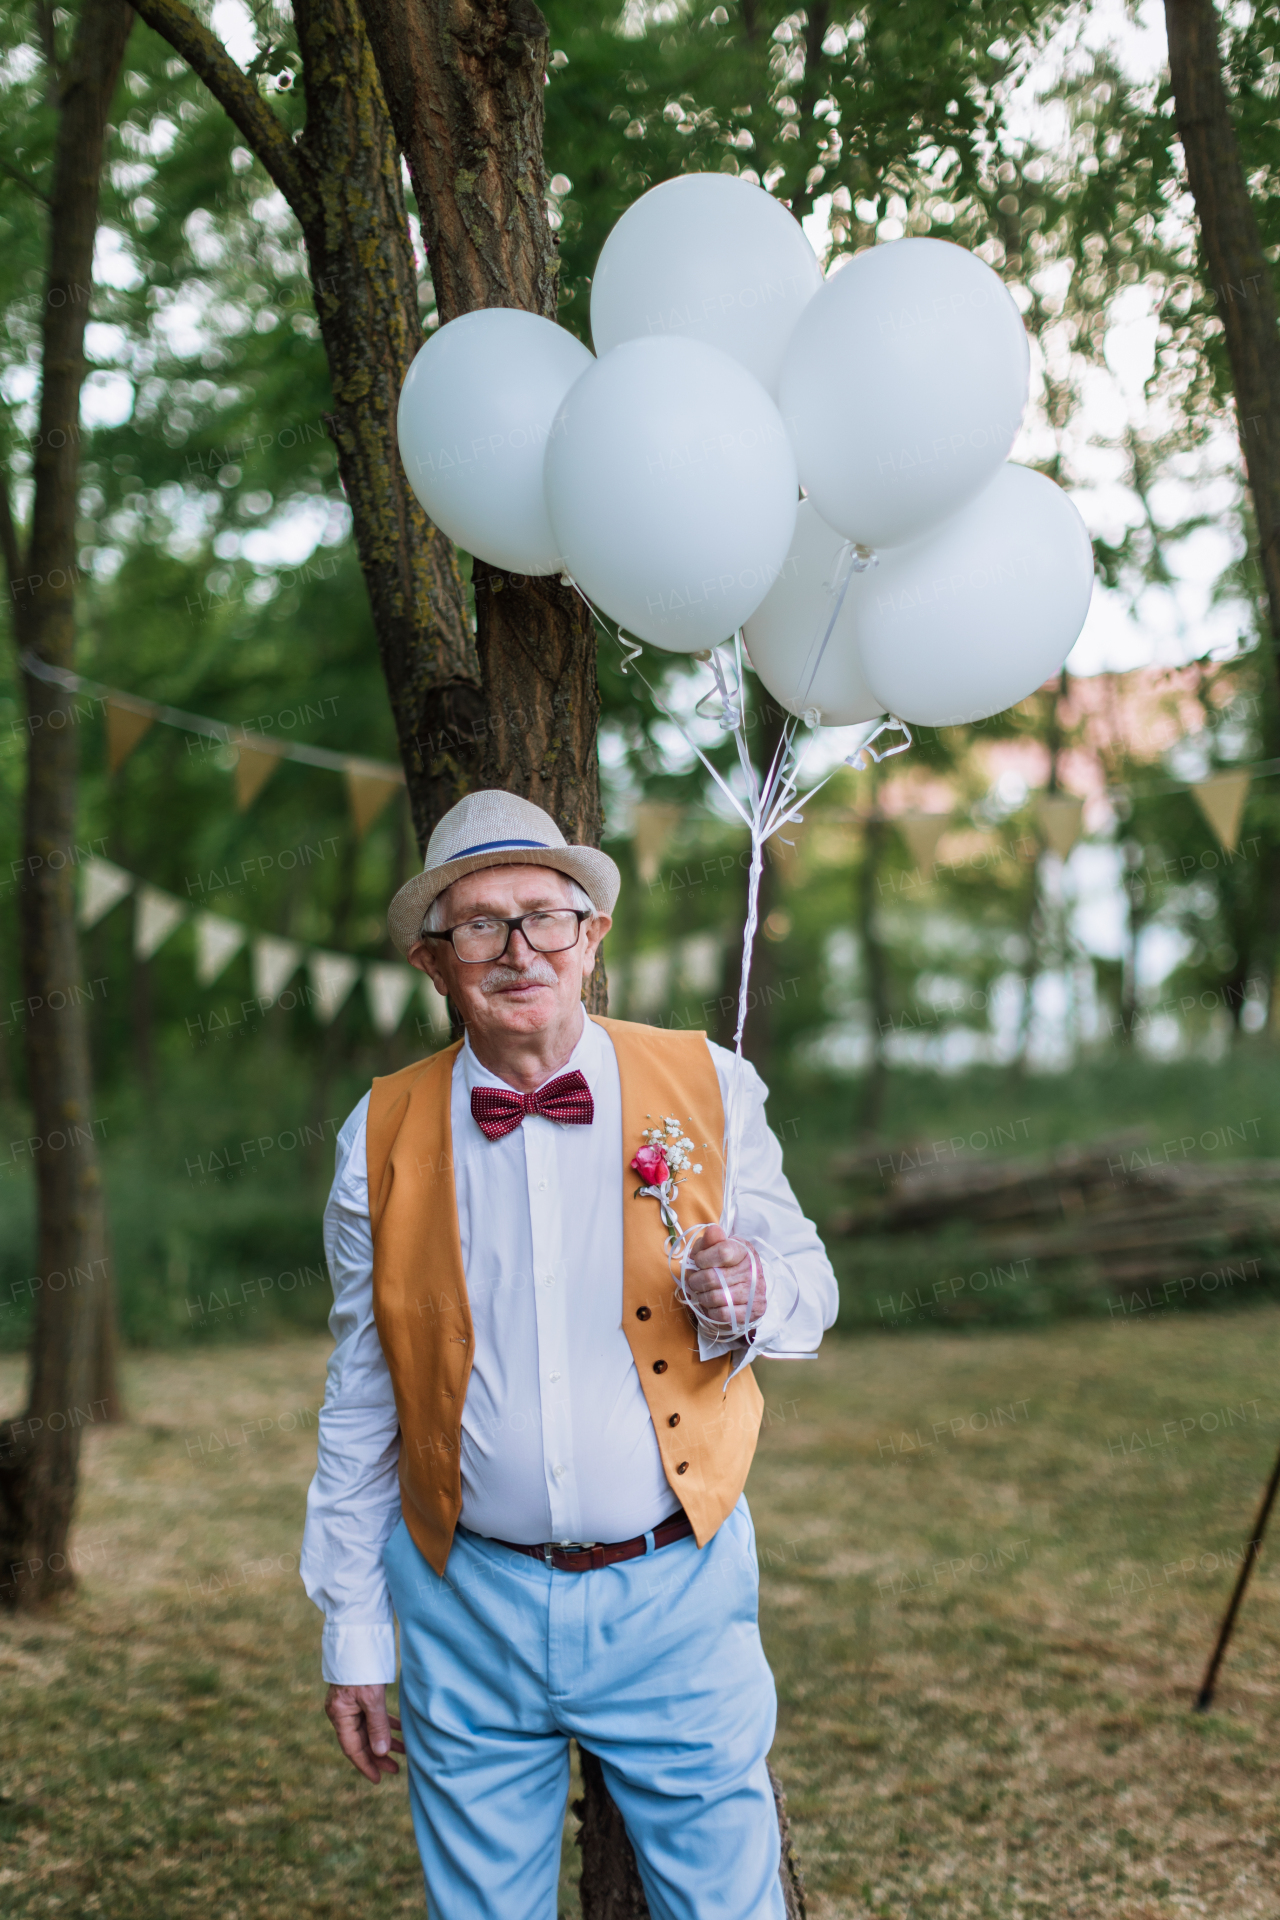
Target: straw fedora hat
{"type": "Point", "coordinates": [494, 829]}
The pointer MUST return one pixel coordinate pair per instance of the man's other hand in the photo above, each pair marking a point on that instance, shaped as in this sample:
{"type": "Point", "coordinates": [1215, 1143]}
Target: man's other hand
{"type": "Point", "coordinates": [364, 1729]}
{"type": "Point", "coordinates": [722, 1265]}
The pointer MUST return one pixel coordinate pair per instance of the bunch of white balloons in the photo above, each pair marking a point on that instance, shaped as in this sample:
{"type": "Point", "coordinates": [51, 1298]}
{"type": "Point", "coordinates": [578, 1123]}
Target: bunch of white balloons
{"type": "Point", "coordinates": [666, 475]}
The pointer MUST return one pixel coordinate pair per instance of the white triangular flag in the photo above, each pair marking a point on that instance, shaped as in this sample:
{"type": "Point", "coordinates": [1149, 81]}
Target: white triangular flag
{"type": "Point", "coordinates": [388, 988]}
{"type": "Point", "coordinates": [436, 1005]}
{"type": "Point", "coordinates": [218, 940]}
{"type": "Point", "coordinates": [156, 915]}
{"type": "Point", "coordinates": [274, 964]}
{"type": "Point", "coordinates": [332, 977]}
{"type": "Point", "coordinates": [104, 886]}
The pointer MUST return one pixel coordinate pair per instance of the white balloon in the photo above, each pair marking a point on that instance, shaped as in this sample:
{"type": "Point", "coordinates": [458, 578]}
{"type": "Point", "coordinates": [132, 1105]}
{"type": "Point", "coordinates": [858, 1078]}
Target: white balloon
{"type": "Point", "coordinates": [785, 634]}
{"type": "Point", "coordinates": [672, 491]}
{"type": "Point", "coordinates": [707, 257]}
{"type": "Point", "coordinates": [979, 613]}
{"type": "Point", "coordinates": [903, 387]}
{"type": "Point", "coordinates": [475, 413]}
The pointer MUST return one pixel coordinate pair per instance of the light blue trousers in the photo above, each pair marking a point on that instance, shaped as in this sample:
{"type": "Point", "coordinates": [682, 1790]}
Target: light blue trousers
{"type": "Point", "coordinates": [654, 1665]}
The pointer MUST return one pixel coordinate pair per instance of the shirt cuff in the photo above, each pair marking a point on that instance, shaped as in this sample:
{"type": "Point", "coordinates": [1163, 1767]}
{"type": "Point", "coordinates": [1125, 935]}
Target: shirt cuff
{"type": "Point", "coordinates": [782, 1292]}
{"type": "Point", "coordinates": [358, 1656]}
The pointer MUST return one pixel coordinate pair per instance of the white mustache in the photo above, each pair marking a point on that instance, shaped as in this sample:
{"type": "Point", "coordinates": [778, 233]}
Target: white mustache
{"type": "Point", "coordinates": [537, 973]}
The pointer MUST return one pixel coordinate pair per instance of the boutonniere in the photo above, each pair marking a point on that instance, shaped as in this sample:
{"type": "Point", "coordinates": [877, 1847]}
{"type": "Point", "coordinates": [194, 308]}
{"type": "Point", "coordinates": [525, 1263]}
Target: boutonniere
{"type": "Point", "coordinates": [663, 1160]}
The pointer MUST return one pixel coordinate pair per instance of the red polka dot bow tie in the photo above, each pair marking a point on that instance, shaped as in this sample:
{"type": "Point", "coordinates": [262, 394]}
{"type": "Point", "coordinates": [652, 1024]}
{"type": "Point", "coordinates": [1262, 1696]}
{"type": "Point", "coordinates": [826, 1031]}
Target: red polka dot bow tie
{"type": "Point", "coordinates": [496, 1111]}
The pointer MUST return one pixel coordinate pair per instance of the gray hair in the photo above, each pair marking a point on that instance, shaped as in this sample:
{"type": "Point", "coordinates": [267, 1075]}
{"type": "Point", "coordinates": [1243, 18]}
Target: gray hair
{"type": "Point", "coordinates": [435, 920]}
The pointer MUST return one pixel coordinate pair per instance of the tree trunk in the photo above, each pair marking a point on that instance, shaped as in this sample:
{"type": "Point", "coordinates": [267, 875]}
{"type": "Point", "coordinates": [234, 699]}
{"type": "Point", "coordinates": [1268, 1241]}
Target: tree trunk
{"type": "Point", "coordinates": [464, 84]}
{"type": "Point", "coordinates": [610, 1887]}
{"type": "Point", "coordinates": [342, 181]}
{"type": "Point", "coordinates": [38, 1478]}
{"type": "Point", "coordinates": [1238, 269]}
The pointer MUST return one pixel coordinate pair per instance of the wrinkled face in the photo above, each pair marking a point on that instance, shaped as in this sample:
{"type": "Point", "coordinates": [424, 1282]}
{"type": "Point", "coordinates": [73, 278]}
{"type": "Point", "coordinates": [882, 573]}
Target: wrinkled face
{"type": "Point", "coordinates": [523, 992]}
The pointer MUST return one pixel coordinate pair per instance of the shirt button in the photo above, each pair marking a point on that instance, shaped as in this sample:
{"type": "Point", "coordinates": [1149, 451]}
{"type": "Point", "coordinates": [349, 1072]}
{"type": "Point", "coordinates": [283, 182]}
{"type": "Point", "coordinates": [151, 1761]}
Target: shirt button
{"type": "Point", "coordinates": [644, 1313]}
{"type": "Point", "coordinates": [659, 1366]}
{"type": "Point", "coordinates": [674, 1421]}
{"type": "Point", "coordinates": [542, 1186]}
{"type": "Point", "coordinates": [559, 1472]}
{"type": "Point", "coordinates": [553, 1376]}
{"type": "Point", "coordinates": [683, 1467]}
{"type": "Point", "coordinates": [548, 1279]}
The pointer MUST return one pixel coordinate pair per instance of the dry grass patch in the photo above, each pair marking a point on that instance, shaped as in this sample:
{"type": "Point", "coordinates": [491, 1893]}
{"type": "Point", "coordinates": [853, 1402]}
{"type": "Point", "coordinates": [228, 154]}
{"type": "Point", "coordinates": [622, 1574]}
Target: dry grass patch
{"type": "Point", "coordinates": [991, 1569]}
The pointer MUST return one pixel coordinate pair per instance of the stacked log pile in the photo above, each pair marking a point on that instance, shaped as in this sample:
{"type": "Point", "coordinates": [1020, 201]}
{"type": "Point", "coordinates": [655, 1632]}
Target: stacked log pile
{"type": "Point", "coordinates": [1123, 1212]}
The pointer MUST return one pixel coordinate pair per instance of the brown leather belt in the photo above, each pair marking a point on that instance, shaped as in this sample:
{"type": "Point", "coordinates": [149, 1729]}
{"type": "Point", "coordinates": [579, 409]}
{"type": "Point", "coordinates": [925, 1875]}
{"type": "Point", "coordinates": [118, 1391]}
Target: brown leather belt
{"type": "Point", "coordinates": [583, 1559]}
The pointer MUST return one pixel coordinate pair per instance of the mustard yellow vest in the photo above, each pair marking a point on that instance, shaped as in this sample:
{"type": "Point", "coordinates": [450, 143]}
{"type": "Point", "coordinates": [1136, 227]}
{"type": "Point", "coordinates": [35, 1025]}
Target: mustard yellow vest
{"type": "Point", "coordinates": [706, 1436]}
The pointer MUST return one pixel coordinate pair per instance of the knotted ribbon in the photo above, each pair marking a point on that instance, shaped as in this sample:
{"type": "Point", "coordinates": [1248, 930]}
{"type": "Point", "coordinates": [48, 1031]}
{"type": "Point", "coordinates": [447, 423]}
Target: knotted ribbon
{"type": "Point", "coordinates": [498, 1111]}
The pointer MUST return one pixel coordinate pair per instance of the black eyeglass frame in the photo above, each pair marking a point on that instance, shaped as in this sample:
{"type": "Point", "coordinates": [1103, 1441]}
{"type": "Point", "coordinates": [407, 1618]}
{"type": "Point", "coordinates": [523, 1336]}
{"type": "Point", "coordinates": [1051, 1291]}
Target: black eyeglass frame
{"type": "Point", "coordinates": [446, 933]}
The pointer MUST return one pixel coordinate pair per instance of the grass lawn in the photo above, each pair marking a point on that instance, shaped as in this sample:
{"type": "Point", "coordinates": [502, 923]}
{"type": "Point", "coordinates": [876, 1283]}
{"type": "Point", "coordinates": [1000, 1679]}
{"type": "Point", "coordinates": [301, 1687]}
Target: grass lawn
{"type": "Point", "coordinates": [992, 1566]}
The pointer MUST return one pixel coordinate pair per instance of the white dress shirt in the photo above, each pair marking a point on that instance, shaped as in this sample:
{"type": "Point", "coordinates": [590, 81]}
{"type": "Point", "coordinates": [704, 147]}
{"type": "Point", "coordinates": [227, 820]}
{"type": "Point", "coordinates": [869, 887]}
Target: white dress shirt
{"type": "Point", "coordinates": [557, 1440]}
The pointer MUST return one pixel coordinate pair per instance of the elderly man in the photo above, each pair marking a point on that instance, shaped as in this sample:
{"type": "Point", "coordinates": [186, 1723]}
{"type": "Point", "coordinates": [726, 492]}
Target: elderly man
{"type": "Point", "coordinates": [531, 1452]}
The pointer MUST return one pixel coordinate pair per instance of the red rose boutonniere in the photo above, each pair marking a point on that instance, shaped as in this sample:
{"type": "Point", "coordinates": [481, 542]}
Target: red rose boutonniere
{"type": "Point", "coordinates": [661, 1161]}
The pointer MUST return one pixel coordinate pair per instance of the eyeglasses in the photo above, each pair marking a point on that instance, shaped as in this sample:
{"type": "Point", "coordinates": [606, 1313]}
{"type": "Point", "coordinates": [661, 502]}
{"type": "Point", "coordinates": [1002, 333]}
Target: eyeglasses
{"type": "Point", "coordinates": [487, 938]}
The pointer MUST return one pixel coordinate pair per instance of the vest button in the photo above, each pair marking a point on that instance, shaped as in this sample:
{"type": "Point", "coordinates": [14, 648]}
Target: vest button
{"type": "Point", "coordinates": [644, 1313]}
{"type": "Point", "coordinates": [659, 1366]}
{"type": "Point", "coordinates": [674, 1421]}
{"type": "Point", "coordinates": [683, 1467]}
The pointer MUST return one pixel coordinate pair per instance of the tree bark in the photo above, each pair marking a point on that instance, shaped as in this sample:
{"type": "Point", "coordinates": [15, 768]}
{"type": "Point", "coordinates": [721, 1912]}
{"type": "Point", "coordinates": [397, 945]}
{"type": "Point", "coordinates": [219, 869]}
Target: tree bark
{"type": "Point", "coordinates": [342, 182]}
{"type": "Point", "coordinates": [1239, 272]}
{"type": "Point", "coordinates": [464, 87]}
{"type": "Point", "coordinates": [40, 1471]}
{"type": "Point", "coordinates": [610, 1886]}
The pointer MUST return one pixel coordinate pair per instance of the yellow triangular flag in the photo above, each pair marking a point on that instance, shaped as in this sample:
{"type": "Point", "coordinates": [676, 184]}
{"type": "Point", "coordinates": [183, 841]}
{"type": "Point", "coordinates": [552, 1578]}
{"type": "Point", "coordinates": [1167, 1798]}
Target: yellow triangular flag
{"type": "Point", "coordinates": [653, 824]}
{"type": "Point", "coordinates": [253, 770]}
{"type": "Point", "coordinates": [922, 832]}
{"type": "Point", "coordinates": [1221, 801]}
{"type": "Point", "coordinates": [1059, 816]}
{"type": "Point", "coordinates": [125, 727]}
{"type": "Point", "coordinates": [368, 794]}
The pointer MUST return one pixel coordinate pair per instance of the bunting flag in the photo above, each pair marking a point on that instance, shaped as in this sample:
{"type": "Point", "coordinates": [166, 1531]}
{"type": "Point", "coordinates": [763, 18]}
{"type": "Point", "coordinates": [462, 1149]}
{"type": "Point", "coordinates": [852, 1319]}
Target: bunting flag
{"type": "Point", "coordinates": [1221, 801]}
{"type": "Point", "coordinates": [368, 792]}
{"type": "Point", "coordinates": [155, 917]}
{"type": "Point", "coordinates": [922, 832]}
{"type": "Point", "coordinates": [125, 727]}
{"type": "Point", "coordinates": [332, 977]}
{"type": "Point", "coordinates": [436, 1005]}
{"type": "Point", "coordinates": [653, 826]}
{"type": "Point", "coordinates": [218, 940]}
{"type": "Point", "coordinates": [370, 783]}
{"type": "Point", "coordinates": [274, 964]}
{"type": "Point", "coordinates": [1059, 817]}
{"type": "Point", "coordinates": [253, 770]}
{"type": "Point", "coordinates": [274, 961]}
{"type": "Point", "coordinates": [388, 988]}
{"type": "Point", "coordinates": [104, 887]}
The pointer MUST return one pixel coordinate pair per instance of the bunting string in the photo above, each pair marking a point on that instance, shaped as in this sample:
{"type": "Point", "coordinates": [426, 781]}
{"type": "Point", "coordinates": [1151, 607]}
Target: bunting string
{"type": "Point", "coordinates": [370, 783]}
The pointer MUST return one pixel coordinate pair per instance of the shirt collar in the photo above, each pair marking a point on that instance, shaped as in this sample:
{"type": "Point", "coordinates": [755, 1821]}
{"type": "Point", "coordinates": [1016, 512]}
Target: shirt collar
{"type": "Point", "coordinates": [587, 1057]}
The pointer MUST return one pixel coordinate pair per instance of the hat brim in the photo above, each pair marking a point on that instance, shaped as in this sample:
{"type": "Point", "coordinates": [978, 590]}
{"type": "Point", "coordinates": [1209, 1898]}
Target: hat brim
{"type": "Point", "coordinates": [594, 871]}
